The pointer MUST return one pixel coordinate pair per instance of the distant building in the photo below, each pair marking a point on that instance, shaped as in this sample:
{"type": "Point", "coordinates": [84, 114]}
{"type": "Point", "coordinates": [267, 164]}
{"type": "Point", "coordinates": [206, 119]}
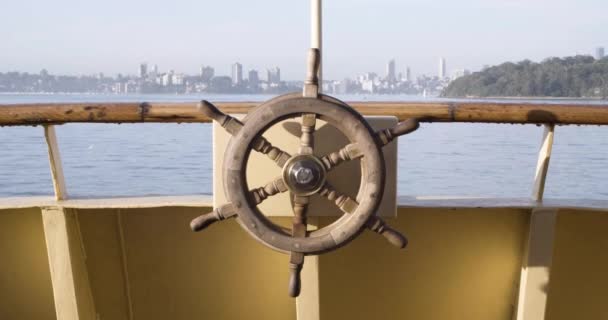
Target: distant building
{"type": "Point", "coordinates": [143, 70]}
{"type": "Point", "coordinates": [390, 71]}
{"type": "Point", "coordinates": [442, 70]}
{"type": "Point", "coordinates": [166, 79]}
{"type": "Point", "coordinates": [368, 76]}
{"type": "Point", "coordinates": [368, 86]}
{"type": "Point", "coordinates": [237, 74]}
{"type": "Point", "coordinates": [341, 87]}
{"type": "Point", "coordinates": [460, 73]}
{"type": "Point", "coordinates": [408, 74]}
{"type": "Point", "coordinates": [599, 53]}
{"type": "Point", "coordinates": [253, 78]}
{"type": "Point", "coordinates": [153, 74]}
{"type": "Point", "coordinates": [220, 84]}
{"type": "Point", "coordinates": [207, 73]}
{"type": "Point", "coordinates": [178, 79]}
{"type": "Point", "coordinates": [274, 75]}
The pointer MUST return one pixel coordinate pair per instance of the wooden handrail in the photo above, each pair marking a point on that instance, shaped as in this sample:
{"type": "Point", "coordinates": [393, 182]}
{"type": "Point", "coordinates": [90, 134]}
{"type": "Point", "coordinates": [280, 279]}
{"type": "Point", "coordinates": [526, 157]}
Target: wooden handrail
{"type": "Point", "coordinates": [488, 112]}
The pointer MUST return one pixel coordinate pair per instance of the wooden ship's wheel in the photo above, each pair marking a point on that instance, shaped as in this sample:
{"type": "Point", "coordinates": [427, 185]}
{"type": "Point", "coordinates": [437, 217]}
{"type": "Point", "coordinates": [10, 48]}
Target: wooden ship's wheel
{"type": "Point", "coordinates": [304, 174]}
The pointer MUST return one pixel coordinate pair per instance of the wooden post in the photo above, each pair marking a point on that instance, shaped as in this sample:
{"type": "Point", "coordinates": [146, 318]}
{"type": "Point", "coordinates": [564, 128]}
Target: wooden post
{"type": "Point", "coordinates": [55, 163]}
{"type": "Point", "coordinates": [316, 34]}
{"type": "Point", "coordinates": [69, 277]}
{"type": "Point", "coordinates": [538, 255]}
{"type": "Point", "coordinates": [542, 166]}
{"type": "Point", "coordinates": [307, 303]}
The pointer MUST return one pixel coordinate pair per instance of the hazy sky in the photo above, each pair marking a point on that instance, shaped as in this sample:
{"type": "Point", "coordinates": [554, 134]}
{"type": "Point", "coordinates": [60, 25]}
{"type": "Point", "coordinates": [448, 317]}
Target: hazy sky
{"type": "Point", "coordinates": [112, 36]}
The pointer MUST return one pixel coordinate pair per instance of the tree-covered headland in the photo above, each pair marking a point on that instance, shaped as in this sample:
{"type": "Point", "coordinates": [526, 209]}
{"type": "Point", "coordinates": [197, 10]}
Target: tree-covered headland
{"type": "Point", "coordinates": [578, 76]}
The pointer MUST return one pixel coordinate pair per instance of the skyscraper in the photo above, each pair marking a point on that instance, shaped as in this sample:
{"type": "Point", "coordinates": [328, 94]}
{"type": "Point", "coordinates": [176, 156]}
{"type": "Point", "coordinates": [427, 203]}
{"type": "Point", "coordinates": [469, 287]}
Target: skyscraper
{"type": "Point", "coordinates": [207, 73]}
{"type": "Point", "coordinates": [253, 78]}
{"type": "Point", "coordinates": [442, 70]}
{"type": "Point", "coordinates": [390, 71]}
{"type": "Point", "coordinates": [143, 70]}
{"type": "Point", "coordinates": [274, 75]}
{"type": "Point", "coordinates": [237, 74]}
{"type": "Point", "coordinates": [599, 53]}
{"type": "Point", "coordinates": [408, 74]}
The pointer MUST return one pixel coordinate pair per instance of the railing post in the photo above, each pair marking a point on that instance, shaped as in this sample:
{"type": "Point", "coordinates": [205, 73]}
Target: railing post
{"type": "Point", "coordinates": [55, 163]}
{"type": "Point", "coordinates": [67, 260]}
{"type": "Point", "coordinates": [542, 166]}
{"type": "Point", "coordinates": [538, 255]}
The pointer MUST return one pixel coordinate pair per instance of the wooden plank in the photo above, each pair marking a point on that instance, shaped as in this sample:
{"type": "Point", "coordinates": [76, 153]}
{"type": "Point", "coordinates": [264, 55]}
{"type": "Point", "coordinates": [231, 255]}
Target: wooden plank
{"type": "Point", "coordinates": [55, 163]}
{"type": "Point", "coordinates": [69, 277]}
{"type": "Point", "coordinates": [542, 166]}
{"type": "Point", "coordinates": [490, 112]}
{"type": "Point", "coordinates": [536, 266]}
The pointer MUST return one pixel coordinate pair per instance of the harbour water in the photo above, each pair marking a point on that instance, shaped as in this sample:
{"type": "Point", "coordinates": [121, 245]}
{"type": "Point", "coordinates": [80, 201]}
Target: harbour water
{"type": "Point", "coordinates": [487, 160]}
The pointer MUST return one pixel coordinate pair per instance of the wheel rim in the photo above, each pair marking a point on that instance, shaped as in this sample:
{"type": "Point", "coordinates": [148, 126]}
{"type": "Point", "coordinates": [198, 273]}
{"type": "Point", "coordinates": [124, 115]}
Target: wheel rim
{"type": "Point", "coordinates": [335, 113]}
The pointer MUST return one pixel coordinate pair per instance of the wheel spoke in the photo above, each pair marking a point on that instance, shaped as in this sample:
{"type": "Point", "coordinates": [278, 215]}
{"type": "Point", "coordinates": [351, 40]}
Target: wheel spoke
{"type": "Point", "coordinates": [222, 213]}
{"type": "Point", "coordinates": [296, 261]}
{"type": "Point", "coordinates": [394, 237]}
{"type": "Point", "coordinates": [307, 140]}
{"type": "Point", "coordinates": [311, 85]}
{"type": "Point", "coordinates": [349, 152]}
{"type": "Point", "coordinates": [375, 224]}
{"type": "Point", "coordinates": [387, 135]}
{"type": "Point", "coordinates": [270, 189]}
{"type": "Point", "coordinates": [230, 124]}
{"type": "Point", "coordinates": [275, 154]}
{"type": "Point", "coordinates": [300, 208]}
{"type": "Point", "coordinates": [344, 202]}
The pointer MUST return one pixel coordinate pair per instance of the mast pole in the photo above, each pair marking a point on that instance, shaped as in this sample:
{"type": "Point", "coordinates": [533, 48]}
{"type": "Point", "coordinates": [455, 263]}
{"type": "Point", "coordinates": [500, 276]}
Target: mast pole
{"type": "Point", "coordinates": [316, 34]}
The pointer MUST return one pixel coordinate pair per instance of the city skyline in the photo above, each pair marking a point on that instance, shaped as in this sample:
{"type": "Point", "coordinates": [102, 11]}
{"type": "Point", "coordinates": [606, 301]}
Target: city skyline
{"type": "Point", "coordinates": [71, 37]}
{"type": "Point", "coordinates": [150, 80]}
{"type": "Point", "coordinates": [399, 68]}
{"type": "Point", "coordinates": [393, 68]}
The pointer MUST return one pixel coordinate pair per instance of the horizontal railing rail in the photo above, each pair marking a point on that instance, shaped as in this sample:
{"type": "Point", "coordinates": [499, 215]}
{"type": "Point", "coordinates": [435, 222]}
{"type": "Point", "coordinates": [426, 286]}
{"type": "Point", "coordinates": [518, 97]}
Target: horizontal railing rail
{"type": "Point", "coordinates": [485, 112]}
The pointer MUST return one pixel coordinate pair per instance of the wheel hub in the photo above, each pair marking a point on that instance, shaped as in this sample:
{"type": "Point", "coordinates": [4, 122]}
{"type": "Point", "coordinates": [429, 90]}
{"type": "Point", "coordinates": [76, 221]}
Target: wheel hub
{"type": "Point", "coordinates": [304, 175]}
